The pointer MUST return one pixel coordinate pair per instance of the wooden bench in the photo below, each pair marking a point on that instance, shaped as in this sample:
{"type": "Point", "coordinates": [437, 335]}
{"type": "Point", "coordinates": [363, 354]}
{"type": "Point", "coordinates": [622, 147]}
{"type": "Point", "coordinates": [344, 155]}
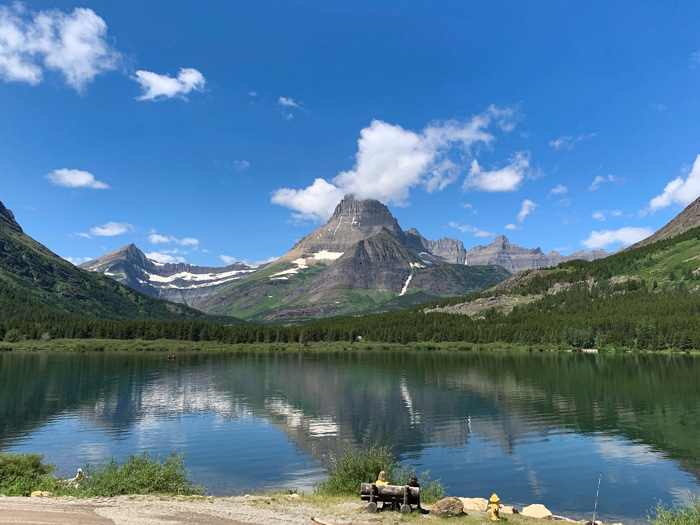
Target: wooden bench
{"type": "Point", "coordinates": [401, 497]}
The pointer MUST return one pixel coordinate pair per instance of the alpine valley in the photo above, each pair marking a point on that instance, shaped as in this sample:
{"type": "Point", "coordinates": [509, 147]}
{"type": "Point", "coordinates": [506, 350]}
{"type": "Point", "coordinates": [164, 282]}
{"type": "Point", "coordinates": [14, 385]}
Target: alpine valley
{"type": "Point", "coordinates": [359, 261]}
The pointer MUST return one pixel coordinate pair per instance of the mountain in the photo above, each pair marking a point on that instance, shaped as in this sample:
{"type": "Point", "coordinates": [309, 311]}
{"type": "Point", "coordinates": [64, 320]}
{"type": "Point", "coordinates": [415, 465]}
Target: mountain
{"type": "Point", "coordinates": [182, 283]}
{"type": "Point", "coordinates": [39, 280]}
{"type": "Point", "coordinates": [359, 261]}
{"type": "Point", "coordinates": [515, 259]}
{"type": "Point", "coordinates": [450, 250]}
{"type": "Point", "coordinates": [685, 220]}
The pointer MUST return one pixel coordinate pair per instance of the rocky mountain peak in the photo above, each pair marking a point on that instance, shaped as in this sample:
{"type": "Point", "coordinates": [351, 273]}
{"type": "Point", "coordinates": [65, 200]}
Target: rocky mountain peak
{"type": "Point", "coordinates": [685, 220]}
{"type": "Point", "coordinates": [501, 240]}
{"type": "Point", "coordinates": [352, 221]}
{"type": "Point", "coordinates": [7, 219]}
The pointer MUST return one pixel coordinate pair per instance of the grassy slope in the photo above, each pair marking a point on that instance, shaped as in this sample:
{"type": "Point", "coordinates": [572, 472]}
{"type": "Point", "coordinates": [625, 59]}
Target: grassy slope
{"type": "Point", "coordinates": [30, 271]}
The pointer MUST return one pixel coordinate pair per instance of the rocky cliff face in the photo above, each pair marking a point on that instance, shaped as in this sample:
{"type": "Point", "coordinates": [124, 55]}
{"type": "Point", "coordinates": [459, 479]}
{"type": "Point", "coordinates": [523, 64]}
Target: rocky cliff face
{"type": "Point", "coordinates": [7, 220]}
{"type": "Point", "coordinates": [515, 258]}
{"type": "Point", "coordinates": [181, 283]}
{"type": "Point", "coordinates": [449, 250]}
{"type": "Point", "coordinates": [352, 221]}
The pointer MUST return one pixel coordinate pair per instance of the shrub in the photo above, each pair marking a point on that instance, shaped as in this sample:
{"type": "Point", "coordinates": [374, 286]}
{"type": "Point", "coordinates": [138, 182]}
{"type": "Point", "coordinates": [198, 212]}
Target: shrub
{"type": "Point", "coordinates": [21, 474]}
{"type": "Point", "coordinates": [688, 515]}
{"type": "Point", "coordinates": [357, 467]}
{"type": "Point", "coordinates": [139, 475]}
{"type": "Point", "coordinates": [363, 467]}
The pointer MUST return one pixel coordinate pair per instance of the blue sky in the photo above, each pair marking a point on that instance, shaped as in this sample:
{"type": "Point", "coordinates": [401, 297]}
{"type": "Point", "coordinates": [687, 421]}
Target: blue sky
{"type": "Point", "coordinates": [217, 131]}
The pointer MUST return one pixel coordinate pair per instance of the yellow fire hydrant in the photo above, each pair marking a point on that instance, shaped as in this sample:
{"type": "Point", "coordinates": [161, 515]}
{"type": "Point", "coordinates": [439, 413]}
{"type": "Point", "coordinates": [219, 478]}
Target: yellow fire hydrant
{"type": "Point", "coordinates": [494, 506]}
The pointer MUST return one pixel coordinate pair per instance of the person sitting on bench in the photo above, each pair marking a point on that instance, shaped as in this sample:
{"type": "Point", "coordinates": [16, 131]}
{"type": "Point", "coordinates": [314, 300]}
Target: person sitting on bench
{"type": "Point", "coordinates": [413, 482]}
{"type": "Point", "coordinates": [381, 480]}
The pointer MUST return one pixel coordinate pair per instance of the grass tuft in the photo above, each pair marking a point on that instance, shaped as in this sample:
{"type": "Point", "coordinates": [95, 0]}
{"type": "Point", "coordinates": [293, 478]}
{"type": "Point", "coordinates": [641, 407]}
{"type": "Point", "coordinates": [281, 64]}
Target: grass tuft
{"type": "Point", "coordinates": [688, 515]}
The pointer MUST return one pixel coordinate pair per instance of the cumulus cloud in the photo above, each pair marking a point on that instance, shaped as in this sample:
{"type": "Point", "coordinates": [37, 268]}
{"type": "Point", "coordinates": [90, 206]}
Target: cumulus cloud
{"type": "Point", "coordinates": [390, 160]}
{"type": "Point", "coordinates": [467, 206]}
{"type": "Point", "coordinates": [602, 215]}
{"type": "Point", "coordinates": [466, 228]}
{"type": "Point", "coordinates": [74, 44]}
{"type": "Point", "coordinates": [228, 259]}
{"type": "Point", "coordinates": [526, 209]}
{"type": "Point", "coordinates": [288, 102]}
{"type": "Point", "coordinates": [109, 229]}
{"type": "Point", "coordinates": [155, 238]}
{"type": "Point", "coordinates": [559, 189]}
{"type": "Point", "coordinates": [241, 165]}
{"type": "Point", "coordinates": [161, 87]}
{"type": "Point", "coordinates": [507, 178]}
{"type": "Point", "coordinates": [163, 257]}
{"type": "Point", "coordinates": [679, 190]}
{"type": "Point", "coordinates": [568, 141]}
{"type": "Point", "coordinates": [511, 226]}
{"type": "Point", "coordinates": [602, 180]}
{"type": "Point", "coordinates": [623, 236]}
{"type": "Point", "coordinates": [75, 179]}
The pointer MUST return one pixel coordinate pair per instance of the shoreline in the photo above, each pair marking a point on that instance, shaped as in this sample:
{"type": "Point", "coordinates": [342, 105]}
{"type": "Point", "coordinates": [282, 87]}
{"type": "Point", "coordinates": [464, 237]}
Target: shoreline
{"type": "Point", "coordinates": [167, 346]}
{"type": "Point", "coordinates": [283, 509]}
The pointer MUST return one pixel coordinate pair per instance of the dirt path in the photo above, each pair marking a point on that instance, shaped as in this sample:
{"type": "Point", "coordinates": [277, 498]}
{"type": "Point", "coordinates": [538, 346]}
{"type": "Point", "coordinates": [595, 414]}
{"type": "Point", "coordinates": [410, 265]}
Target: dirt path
{"type": "Point", "coordinates": [149, 510]}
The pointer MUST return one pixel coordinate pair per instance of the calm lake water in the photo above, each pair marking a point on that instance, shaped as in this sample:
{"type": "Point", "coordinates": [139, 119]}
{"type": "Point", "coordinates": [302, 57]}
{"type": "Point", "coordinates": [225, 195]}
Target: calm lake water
{"type": "Point", "coordinates": [533, 427]}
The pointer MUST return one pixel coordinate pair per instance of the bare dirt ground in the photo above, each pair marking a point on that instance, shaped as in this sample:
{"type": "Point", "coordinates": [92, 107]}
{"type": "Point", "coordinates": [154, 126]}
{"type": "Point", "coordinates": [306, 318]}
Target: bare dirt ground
{"type": "Point", "coordinates": [142, 510]}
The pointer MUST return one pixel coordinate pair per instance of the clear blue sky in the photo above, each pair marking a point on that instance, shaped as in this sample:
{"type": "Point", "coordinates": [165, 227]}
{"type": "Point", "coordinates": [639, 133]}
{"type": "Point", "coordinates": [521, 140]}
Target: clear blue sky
{"type": "Point", "coordinates": [199, 130]}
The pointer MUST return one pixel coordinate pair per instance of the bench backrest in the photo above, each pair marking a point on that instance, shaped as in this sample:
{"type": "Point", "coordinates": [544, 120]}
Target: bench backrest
{"type": "Point", "coordinates": [390, 492]}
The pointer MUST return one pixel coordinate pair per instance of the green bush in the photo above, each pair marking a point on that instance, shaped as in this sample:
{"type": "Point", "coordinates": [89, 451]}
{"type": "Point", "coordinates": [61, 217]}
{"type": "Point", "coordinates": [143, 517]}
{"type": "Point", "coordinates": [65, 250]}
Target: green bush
{"type": "Point", "coordinates": [355, 468]}
{"type": "Point", "coordinates": [139, 475]}
{"type": "Point", "coordinates": [21, 474]}
{"type": "Point", "coordinates": [688, 515]}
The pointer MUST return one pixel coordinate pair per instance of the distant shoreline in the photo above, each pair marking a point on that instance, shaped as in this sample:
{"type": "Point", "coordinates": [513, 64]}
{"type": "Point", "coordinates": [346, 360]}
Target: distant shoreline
{"type": "Point", "coordinates": [168, 347]}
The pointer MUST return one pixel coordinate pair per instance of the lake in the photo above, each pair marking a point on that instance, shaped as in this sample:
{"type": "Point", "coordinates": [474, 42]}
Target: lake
{"type": "Point", "coordinates": [532, 427]}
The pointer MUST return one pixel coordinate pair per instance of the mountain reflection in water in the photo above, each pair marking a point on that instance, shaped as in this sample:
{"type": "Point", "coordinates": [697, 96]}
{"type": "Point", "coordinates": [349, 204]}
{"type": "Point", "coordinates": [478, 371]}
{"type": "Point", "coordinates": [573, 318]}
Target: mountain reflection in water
{"type": "Point", "coordinates": [533, 427]}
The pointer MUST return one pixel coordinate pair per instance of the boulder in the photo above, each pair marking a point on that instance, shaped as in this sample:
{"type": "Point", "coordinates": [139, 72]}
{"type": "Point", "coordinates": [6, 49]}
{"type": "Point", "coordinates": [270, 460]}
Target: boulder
{"type": "Point", "coordinates": [40, 494]}
{"type": "Point", "coordinates": [507, 509]}
{"type": "Point", "coordinates": [537, 511]}
{"type": "Point", "coordinates": [447, 507]}
{"type": "Point", "coordinates": [479, 504]}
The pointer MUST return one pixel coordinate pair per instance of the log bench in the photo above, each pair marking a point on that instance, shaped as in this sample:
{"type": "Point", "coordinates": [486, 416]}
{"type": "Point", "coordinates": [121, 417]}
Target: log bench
{"type": "Point", "coordinates": [401, 497]}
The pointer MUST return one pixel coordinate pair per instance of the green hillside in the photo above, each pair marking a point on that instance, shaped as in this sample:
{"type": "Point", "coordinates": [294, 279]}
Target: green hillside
{"type": "Point", "coordinates": [36, 282]}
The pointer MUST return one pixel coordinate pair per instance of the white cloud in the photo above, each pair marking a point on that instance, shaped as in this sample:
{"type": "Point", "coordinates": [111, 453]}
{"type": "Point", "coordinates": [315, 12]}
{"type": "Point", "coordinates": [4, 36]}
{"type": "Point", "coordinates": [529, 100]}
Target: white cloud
{"type": "Point", "coordinates": [165, 258]}
{"type": "Point", "coordinates": [467, 206]}
{"type": "Point", "coordinates": [559, 189]}
{"type": "Point", "coordinates": [288, 102]}
{"type": "Point", "coordinates": [390, 160]}
{"type": "Point", "coordinates": [694, 61]}
{"type": "Point", "coordinates": [568, 141]}
{"type": "Point", "coordinates": [155, 238]}
{"type": "Point", "coordinates": [241, 165]}
{"type": "Point", "coordinates": [78, 260]}
{"type": "Point", "coordinates": [466, 228]}
{"type": "Point", "coordinates": [83, 235]}
{"type": "Point", "coordinates": [252, 93]}
{"type": "Point", "coordinates": [601, 180]}
{"type": "Point", "coordinates": [623, 236]}
{"type": "Point", "coordinates": [316, 202]}
{"type": "Point", "coordinates": [507, 178]}
{"type": "Point", "coordinates": [161, 87]}
{"type": "Point", "coordinates": [679, 190]}
{"type": "Point", "coordinates": [511, 226]}
{"type": "Point", "coordinates": [602, 215]}
{"type": "Point", "coordinates": [75, 179]}
{"type": "Point", "coordinates": [526, 209]}
{"type": "Point", "coordinates": [110, 229]}
{"type": "Point", "coordinates": [228, 259]}
{"type": "Point", "coordinates": [74, 44]}
{"type": "Point", "coordinates": [506, 117]}
{"type": "Point", "coordinates": [287, 116]}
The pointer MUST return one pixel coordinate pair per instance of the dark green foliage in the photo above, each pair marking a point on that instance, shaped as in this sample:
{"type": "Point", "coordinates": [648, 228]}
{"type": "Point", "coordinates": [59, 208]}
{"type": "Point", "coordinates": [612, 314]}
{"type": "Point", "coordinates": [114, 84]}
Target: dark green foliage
{"type": "Point", "coordinates": [139, 475]}
{"type": "Point", "coordinates": [688, 515]}
{"type": "Point", "coordinates": [21, 474]}
{"type": "Point", "coordinates": [354, 468]}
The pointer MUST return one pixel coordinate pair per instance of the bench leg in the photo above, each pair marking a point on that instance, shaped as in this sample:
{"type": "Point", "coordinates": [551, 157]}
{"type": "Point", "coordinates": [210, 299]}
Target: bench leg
{"type": "Point", "coordinates": [372, 505]}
